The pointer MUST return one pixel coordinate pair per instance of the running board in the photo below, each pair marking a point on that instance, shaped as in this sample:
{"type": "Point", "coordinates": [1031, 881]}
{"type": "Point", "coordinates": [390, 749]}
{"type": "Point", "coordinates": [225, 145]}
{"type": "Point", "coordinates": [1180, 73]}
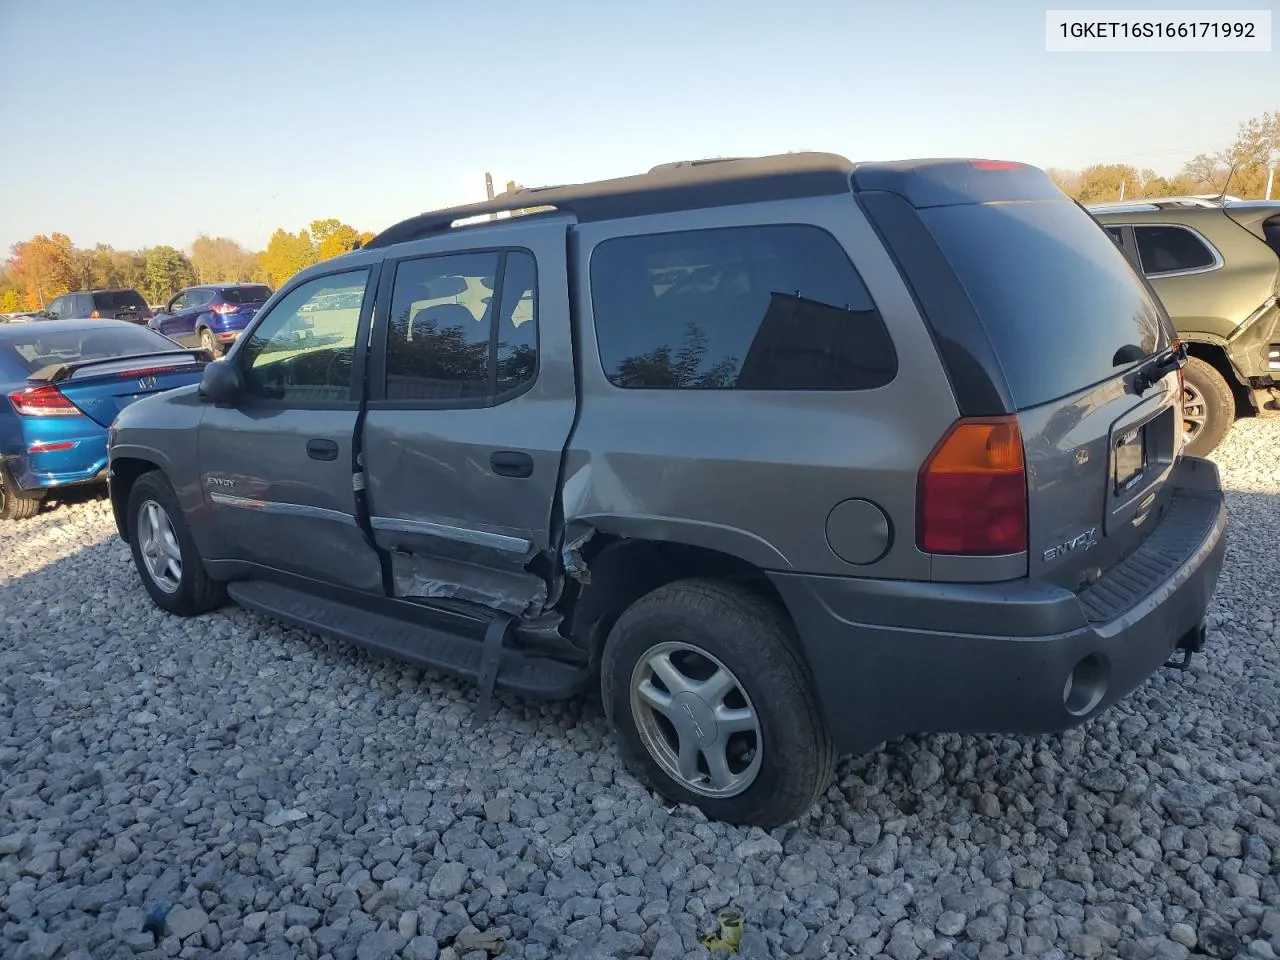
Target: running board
{"type": "Point", "coordinates": [512, 670]}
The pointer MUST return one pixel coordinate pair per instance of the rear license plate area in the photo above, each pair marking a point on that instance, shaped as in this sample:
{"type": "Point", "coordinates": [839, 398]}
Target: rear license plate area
{"type": "Point", "coordinates": [1129, 460]}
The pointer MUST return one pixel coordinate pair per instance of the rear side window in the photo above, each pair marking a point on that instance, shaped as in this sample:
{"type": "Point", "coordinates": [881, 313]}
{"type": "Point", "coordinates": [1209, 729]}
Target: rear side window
{"type": "Point", "coordinates": [776, 307]}
{"type": "Point", "coordinates": [462, 328]}
{"type": "Point", "coordinates": [1170, 249]}
{"type": "Point", "coordinates": [1055, 295]}
{"type": "Point", "coordinates": [118, 300]}
{"type": "Point", "coordinates": [245, 294]}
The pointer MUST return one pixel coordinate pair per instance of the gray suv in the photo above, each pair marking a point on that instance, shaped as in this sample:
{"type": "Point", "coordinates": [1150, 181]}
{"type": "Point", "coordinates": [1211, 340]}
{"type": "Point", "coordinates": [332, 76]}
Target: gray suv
{"type": "Point", "coordinates": [785, 456]}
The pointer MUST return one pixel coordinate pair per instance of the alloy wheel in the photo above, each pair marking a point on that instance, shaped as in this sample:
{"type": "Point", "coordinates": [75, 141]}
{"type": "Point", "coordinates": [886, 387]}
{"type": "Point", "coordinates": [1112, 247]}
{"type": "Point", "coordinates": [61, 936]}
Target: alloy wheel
{"type": "Point", "coordinates": [696, 720]}
{"type": "Point", "coordinates": [158, 543]}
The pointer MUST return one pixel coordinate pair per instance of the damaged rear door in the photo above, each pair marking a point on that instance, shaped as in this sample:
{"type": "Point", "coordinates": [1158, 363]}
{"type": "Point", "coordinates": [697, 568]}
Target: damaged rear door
{"type": "Point", "coordinates": [471, 402]}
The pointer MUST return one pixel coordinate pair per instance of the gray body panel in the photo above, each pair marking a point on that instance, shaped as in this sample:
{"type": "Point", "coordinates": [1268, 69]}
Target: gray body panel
{"type": "Point", "coordinates": [755, 474]}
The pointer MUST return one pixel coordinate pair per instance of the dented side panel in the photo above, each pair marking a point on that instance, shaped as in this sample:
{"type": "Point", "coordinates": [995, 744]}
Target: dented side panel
{"type": "Point", "coordinates": [444, 501]}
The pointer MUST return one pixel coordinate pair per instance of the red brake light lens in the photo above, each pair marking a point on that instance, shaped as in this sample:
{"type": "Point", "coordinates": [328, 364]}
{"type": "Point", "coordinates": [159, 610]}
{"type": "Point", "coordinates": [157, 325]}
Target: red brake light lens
{"type": "Point", "coordinates": [225, 307]}
{"type": "Point", "coordinates": [44, 401]}
{"type": "Point", "coordinates": [971, 494]}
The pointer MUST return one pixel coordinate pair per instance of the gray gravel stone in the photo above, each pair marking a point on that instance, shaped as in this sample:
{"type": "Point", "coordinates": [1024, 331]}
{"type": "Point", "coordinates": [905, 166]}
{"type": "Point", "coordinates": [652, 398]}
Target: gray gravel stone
{"type": "Point", "coordinates": [331, 803]}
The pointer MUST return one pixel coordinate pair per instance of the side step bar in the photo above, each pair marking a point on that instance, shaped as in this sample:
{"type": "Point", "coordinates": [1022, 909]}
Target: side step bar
{"type": "Point", "coordinates": [503, 668]}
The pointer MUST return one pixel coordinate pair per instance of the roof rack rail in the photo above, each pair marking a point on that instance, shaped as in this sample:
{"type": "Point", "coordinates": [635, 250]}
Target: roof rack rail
{"type": "Point", "coordinates": [684, 185]}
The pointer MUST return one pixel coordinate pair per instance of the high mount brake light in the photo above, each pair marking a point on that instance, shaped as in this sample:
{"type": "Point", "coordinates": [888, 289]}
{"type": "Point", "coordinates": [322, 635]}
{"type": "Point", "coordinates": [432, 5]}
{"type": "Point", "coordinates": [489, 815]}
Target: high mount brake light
{"type": "Point", "coordinates": [971, 494]}
{"type": "Point", "coordinates": [996, 165]}
{"type": "Point", "coordinates": [43, 401]}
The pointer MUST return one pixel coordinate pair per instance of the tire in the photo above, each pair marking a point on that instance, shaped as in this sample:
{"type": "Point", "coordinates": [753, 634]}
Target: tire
{"type": "Point", "coordinates": [1209, 407]}
{"type": "Point", "coordinates": [706, 629]}
{"type": "Point", "coordinates": [189, 592]}
{"type": "Point", "coordinates": [207, 342]}
{"type": "Point", "coordinates": [15, 507]}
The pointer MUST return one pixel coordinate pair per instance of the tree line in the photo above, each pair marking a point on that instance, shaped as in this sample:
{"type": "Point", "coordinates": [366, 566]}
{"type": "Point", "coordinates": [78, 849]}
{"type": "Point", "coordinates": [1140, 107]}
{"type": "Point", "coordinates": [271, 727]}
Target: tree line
{"type": "Point", "coordinates": [1246, 162]}
{"type": "Point", "coordinates": [49, 265]}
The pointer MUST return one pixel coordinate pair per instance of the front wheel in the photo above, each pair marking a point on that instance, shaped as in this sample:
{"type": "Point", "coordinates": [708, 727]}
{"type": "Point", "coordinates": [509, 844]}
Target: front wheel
{"type": "Point", "coordinates": [713, 705]}
{"type": "Point", "coordinates": [165, 553]}
{"type": "Point", "coordinates": [1208, 407]}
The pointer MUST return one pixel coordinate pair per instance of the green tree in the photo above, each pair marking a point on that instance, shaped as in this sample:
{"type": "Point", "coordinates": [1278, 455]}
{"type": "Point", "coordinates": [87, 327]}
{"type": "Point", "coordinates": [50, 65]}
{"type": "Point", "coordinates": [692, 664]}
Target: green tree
{"type": "Point", "coordinates": [10, 301]}
{"type": "Point", "coordinates": [286, 254]}
{"type": "Point", "coordinates": [333, 238]}
{"type": "Point", "coordinates": [221, 260]}
{"type": "Point", "coordinates": [44, 269]}
{"type": "Point", "coordinates": [167, 271]}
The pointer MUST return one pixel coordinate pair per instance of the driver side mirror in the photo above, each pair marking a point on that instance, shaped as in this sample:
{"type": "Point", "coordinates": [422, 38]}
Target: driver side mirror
{"type": "Point", "coordinates": [221, 383]}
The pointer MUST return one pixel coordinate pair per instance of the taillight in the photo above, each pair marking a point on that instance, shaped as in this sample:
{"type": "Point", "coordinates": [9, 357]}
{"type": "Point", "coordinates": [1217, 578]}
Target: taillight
{"type": "Point", "coordinates": [94, 315]}
{"type": "Point", "coordinates": [45, 401]}
{"type": "Point", "coordinates": [971, 494]}
{"type": "Point", "coordinates": [225, 308]}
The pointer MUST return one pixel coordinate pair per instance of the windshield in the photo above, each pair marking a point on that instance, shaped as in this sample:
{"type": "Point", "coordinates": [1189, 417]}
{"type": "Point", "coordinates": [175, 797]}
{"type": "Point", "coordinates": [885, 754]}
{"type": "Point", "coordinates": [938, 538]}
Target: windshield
{"type": "Point", "coordinates": [1055, 294]}
{"type": "Point", "coordinates": [35, 349]}
{"type": "Point", "coordinates": [245, 294]}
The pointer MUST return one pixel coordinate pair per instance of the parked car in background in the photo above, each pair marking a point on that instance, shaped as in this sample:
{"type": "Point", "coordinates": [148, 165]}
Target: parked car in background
{"type": "Point", "coordinates": [1216, 266]}
{"type": "Point", "coordinates": [211, 315]}
{"type": "Point", "coordinates": [121, 303]}
{"type": "Point", "coordinates": [786, 455]}
{"type": "Point", "coordinates": [61, 384]}
{"type": "Point", "coordinates": [23, 317]}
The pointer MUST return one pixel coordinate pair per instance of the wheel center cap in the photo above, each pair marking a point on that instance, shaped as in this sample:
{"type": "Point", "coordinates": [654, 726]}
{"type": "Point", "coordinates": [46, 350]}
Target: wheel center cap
{"type": "Point", "coordinates": [695, 716]}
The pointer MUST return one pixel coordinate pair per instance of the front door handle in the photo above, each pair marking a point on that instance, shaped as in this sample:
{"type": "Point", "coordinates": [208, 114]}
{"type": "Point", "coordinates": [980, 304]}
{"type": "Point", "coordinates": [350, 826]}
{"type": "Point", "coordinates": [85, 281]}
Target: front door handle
{"type": "Point", "coordinates": [322, 450]}
{"type": "Point", "coordinates": [512, 463]}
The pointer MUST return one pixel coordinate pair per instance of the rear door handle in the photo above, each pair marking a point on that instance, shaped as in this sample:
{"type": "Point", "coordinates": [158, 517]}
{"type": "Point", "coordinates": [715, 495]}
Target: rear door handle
{"type": "Point", "coordinates": [511, 463]}
{"type": "Point", "coordinates": [322, 450]}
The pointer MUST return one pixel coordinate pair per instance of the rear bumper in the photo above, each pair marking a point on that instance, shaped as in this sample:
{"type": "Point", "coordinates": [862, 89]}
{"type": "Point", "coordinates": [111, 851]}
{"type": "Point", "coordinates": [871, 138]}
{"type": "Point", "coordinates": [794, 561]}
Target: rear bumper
{"type": "Point", "coordinates": [84, 463]}
{"type": "Point", "coordinates": [892, 658]}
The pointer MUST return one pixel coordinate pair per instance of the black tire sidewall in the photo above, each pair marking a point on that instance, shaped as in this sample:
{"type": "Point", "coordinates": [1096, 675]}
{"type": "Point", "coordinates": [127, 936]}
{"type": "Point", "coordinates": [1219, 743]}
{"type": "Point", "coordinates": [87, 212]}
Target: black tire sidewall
{"type": "Point", "coordinates": [783, 786]}
{"type": "Point", "coordinates": [183, 601]}
{"type": "Point", "coordinates": [1219, 406]}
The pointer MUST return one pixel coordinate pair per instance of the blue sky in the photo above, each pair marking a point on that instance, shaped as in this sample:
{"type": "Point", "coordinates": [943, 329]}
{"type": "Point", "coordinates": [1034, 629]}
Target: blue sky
{"type": "Point", "coordinates": [134, 123]}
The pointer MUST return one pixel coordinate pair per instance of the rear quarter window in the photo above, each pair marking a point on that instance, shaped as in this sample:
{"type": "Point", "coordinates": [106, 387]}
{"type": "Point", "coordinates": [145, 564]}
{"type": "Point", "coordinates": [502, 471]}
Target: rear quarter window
{"type": "Point", "coordinates": [777, 307]}
{"type": "Point", "coordinates": [1171, 249]}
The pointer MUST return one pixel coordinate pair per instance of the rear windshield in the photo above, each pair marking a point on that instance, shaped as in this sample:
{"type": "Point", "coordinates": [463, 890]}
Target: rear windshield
{"type": "Point", "coordinates": [118, 300]}
{"type": "Point", "coordinates": [245, 294]}
{"type": "Point", "coordinates": [1054, 292]}
{"type": "Point", "coordinates": [38, 347]}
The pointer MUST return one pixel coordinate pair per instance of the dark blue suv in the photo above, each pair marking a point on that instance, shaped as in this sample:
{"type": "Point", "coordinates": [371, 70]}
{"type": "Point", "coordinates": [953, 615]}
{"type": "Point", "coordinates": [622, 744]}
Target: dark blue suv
{"type": "Point", "coordinates": [210, 316]}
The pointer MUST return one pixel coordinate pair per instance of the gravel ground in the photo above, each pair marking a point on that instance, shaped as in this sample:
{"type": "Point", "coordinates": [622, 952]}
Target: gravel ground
{"type": "Point", "coordinates": [281, 795]}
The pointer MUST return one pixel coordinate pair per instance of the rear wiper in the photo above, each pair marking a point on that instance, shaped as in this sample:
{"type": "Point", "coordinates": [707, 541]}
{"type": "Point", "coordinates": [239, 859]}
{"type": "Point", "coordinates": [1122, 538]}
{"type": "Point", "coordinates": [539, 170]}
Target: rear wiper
{"type": "Point", "coordinates": [1158, 367]}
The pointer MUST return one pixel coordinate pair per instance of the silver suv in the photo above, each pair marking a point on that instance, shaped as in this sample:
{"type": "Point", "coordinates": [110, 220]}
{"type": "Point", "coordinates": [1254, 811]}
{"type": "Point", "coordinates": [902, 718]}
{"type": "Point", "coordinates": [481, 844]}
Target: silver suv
{"type": "Point", "coordinates": [786, 456]}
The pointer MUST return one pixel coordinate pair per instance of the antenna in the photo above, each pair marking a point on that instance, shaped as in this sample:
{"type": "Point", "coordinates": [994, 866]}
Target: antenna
{"type": "Point", "coordinates": [1226, 183]}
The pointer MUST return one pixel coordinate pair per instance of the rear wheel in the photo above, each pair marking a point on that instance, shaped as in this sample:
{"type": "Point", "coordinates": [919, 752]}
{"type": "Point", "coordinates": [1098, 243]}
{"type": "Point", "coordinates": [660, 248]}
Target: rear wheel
{"type": "Point", "coordinates": [207, 342]}
{"type": "Point", "coordinates": [713, 706]}
{"type": "Point", "coordinates": [1208, 407]}
{"type": "Point", "coordinates": [16, 507]}
{"type": "Point", "coordinates": [165, 553]}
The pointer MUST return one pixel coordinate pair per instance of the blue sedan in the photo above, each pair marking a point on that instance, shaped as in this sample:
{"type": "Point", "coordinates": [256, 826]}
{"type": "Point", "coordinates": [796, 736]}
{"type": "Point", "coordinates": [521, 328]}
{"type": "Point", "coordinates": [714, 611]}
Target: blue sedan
{"type": "Point", "coordinates": [62, 382]}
